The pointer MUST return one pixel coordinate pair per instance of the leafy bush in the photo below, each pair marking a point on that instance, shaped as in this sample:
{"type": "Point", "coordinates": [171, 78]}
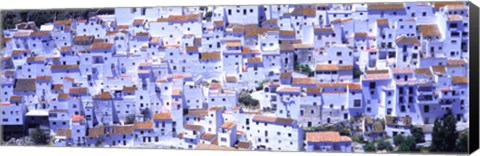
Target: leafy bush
{"type": "Point", "coordinates": [130, 119]}
{"type": "Point", "coordinates": [39, 137]}
{"type": "Point", "coordinates": [408, 145]}
{"type": "Point", "coordinates": [369, 147]}
{"type": "Point", "coordinates": [462, 143]}
{"type": "Point", "coordinates": [358, 138]}
{"type": "Point", "coordinates": [444, 134]}
{"type": "Point", "coordinates": [357, 73]}
{"type": "Point", "coordinates": [384, 145]}
{"type": "Point", "coordinates": [247, 100]}
{"type": "Point", "coordinates": [417, 132]}
{"type": "Point", "coordinates": [398, 139]}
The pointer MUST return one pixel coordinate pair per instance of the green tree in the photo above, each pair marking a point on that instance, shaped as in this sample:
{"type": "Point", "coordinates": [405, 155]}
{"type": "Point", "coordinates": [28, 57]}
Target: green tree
{"type": "Point", "coordinates": [398, 139]}
{"type": "Point", "coordinates": [408, 144]}
{"type": "Point", "coordinates": [384, 145]}
{"type": "Point", "coordinates": [247, 100]}
{"type": "Point", "coordinates": [358, 138]}
{"type": "Point", "coordinates": [147, 113]}
{"type": "Point", "coordinates": [208, 15]}
{"type": "Point", "coordinates": [303, 68]}
{"type": "Point", "coordinates": [444, 134]}
{"type": "Point", "coordinates": [39, 137]}
{"type": "Point", "coordinates": [130, 119]}
{"type": "Point", "coordinates": [417, 132]}
{"type": "Point", "coordinates": [369, 147]}
{"type": "Point", "coordinates": [462, 143]}
{"type": "Point", "coordinates": [357, 73]}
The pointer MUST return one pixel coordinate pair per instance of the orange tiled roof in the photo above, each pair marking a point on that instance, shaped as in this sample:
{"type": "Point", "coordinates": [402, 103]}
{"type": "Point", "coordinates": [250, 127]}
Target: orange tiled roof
{"type": "Point", "coordinates": [329, 136]}
{"type": "Point", "coordinates": [128, 129]}
{"type": "Point", "coordinates": [104, 96]}
{"type": "Point", "coordinates": [162, 116]}
{"type": "Point", "coordinates": [273, 119]}
{"type": "Point", "coordinates": [210, 56]}
{"type": "Point", "coordinates": [459, 80]}
{"type": "Point", "coordinates": [289, 89]}
{"type": "Point", "coordinates": [143, 125]}
{"type": "Point", "coordinates": [192, 127]}
{"type": "Point", "coordinates": [228, 125]}
{"type": "Point", "coordinates": [385, 6]}
{"type": "Point", "coordinates": [429, 30]}
{"type": "Point", "coordinates": [334, 67]}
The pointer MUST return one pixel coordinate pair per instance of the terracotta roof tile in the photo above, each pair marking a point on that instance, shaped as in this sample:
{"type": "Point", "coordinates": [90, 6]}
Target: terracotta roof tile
{"type": "Point", "coordinates": [254, 60]}
{"type": "Point", "coordinates": [210, 56]}
{"type": "Point", "coordinates": [438, 5]}
{"type": "Point", "coordinates": [57, 87]}
{"type": "Point", "coordinates": [323, 30]}
{"type": "Point", "coordinates": [129, 89]}
{"type": "Point", "coordinates": [286, 75]}
{"type": "Point", "coordinates": [314, 90]}
{"type": "Point", "coordinates": [77, 118]}
{"type": "Point", "coordinates": [193, 127]}
{"type": "Point", "coordinates": [385, 6]}
{"type": "Point", "coordinates": [199, 113]}
{"type": "Point", "coordinates": [354, 86]}
{"type": "Point", "coordinates": [40, 33]}
{"type": "Point", "coordinates": [304, 12]}
{"type": "Point", "coordinates": [287, 33]}
{"type": "Point", "coordinates": [44, 78]}
{"type": "Point", "coordinates": [143, 125]}
{"type": "Point", "coordinates": [202, 146]}
{"type": "Point", "coordinates": [95, 132]}
{"type": "Point", "coordinates": [228, 125]}
{"type": "Point", "coordinates": [78, 90]}
{"type": "Point", "coordinates": [208, 136]}
{"type": "Point", "coordinates": [62, 96]}
{"type": "Point", "coordinates": [332, 67]}
{"type": "Point", "coordinates": [83, 39]}
{"type": "Point", "coordinates": [456, 62]}
{"type": "Point", "coordinates": [63, 22]}
{"type": "Point", "coordinates": [329, 136]}
{"type": "Point", "coordinates": [231, 79]}
{"type": "Point", "coordinates": [138, 21]}
{"type": "Point", "coordinates": [407, 40]}
{"type": "Point", "coordinates": [459, 80]}
{"type": "Point", "coordinates": [162, 116]}
{"type": "Point", "coordinates": [303, 80]}
{"type": "Point", "coordinates": [272, 119]}
{"type": "Point", "coordinates": [289, 89]}
{"type": "Point", "coordinates": [439, 69]}
{"type": "Point", "coordinates": [382, 22]}
{"type": "Point", "coordinates": [424, 71]}
{"type": "Point", "coordinates": [270, 22]}
{"type": "Point", "coordinates": [429, 30]}
{"type": "Point", "coordinates": [64, 132]}
{"type": "Point", "coordinates": [244, 145]}
{"type": "Point", "coordinates": [405, 70]}
{"type": "Point", "coordinates": [122, 130]}
{"type": "Point", "coordinates": [103, 96]}
{"type": "Point", "coordinates": [15, 98]}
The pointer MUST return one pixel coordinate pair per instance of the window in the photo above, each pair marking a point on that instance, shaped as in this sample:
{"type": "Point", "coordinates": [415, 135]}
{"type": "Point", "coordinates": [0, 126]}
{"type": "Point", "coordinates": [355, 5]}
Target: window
{"type": "Point", "coordinates": [357, 103]}
{"type": "Point", "coordinates": [426, 108]}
